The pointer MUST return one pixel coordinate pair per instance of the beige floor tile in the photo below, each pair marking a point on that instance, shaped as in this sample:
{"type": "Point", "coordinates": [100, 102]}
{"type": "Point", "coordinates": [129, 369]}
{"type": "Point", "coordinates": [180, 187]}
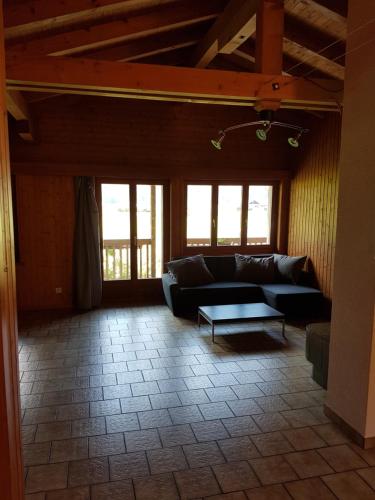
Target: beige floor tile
{"type": "Point", "coordinates": [240, 448]}
{"type": "Point", "coordinates": [342, 458]}
{"type": "Point", "coordinates": [237, 495]}
{"type": "Point", "coordinates": [349, 486]}
{"type": "Point", "coordinates": [300, 418]}
{"type": "Point", "coordinates": [177, 435]}
{"type": "Point", "coordinates": [273, 470]}
{"type": "Point", "coordinates": [36, 454]}
{"type": "Point", "coordinates": [161, 487]}
{"type": "Point", "coordinates": [116, 490]}
{"type": "Point", "coordinates": [142, 440]}
{"type": "Point", "coordinates": [309, 489]}
{"type": "Point", "coordinates": [110, 444]}
{"type": "Point", "coordinates": [196, 483]}
{"type": "Point", "coordinates": [52, 431]}
{"type": "Point", "coordinates": [367, 455]}
{"type": "Point", "coordinates": [203, 454]}
{"type": "Point", "coordinates": [82, 493]}
{"type": "Point", "coordinates": [47, 477]}
{"type": "Point", "coordinates": [128, 465]}
{"type": "Point", "coordinates": [331, 434]}
{"type": "Point", "coordinates": [166, 460]}
{"type": "Point", "coordinates": [308, 464]}
{"type": "Point", "coordinates": [235, 476]}
{"type": "Point", "coordinates": [209, 431]}
{"type": "Point", "coordinates": [269, 422]}
{"type": "Point", "coordinates": [35, 496]}
{"type": "Point", "coordinates": [368, 475]}
{"type": "Point", "coordinates": [271, 443]}
{"type": "Point", "coordinates": [275, 492]}
{"type": "Point", "coordinates": [88, 427]}
{"type": "Point", "coordinates": [28, 433]}
{"type": "Point", "coordinates": [82, 472]}
{"type": "Point", "coordinates": [303, 439]}
{"type": "Point", "coordinates": [69, 449]}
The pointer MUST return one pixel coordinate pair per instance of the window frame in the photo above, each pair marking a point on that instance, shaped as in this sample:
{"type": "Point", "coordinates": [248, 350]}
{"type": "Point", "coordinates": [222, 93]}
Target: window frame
{"type": "Point", "coordinates": [134, 280]}
{"type": "Point", "coordinates": [214, 248]}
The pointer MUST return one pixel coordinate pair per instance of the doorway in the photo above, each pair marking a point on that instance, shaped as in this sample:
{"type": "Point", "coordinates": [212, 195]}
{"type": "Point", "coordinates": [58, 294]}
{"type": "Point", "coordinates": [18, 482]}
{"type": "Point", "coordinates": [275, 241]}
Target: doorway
{"type": "Point", "coordinates": [134, 236]}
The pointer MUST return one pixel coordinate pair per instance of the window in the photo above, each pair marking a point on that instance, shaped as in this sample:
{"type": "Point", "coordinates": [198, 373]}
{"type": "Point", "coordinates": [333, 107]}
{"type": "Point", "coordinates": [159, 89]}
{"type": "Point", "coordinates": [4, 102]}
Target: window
{"type": "Point", "coordinates": [259, 215]}
{"type": "Point", "coordinates": [227, 215]}
{"type": "Point", "coordinates": [132, 231]}
{"type": "Point", "coordinates": [199, 215]}
{"type": "Point", "coordinates": [229, 209]}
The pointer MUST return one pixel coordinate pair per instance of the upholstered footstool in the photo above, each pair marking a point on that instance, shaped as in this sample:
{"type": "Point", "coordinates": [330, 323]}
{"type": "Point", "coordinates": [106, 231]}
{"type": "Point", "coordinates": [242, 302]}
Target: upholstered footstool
{"type": "Point", "coordinates": [317, 350]}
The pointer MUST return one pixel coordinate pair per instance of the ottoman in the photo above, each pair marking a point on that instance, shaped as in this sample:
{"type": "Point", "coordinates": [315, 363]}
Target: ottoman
{"type": "Point", "coordinates": [317, 350]}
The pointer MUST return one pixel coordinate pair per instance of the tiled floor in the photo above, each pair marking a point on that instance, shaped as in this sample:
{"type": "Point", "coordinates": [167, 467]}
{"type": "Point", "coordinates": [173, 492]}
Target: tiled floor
{"type": "Point", "coordinates": [133, 403]}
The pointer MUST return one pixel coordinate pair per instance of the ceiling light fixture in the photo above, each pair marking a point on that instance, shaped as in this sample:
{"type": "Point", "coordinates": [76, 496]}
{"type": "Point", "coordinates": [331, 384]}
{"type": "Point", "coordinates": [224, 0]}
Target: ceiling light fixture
{"type": "Point", "coordinates": [261, 133]}
{"type": "Point", "coordinates": [217, 142]}
{"type": "Point", "coordinates": [263, 129]}
{"type": "Point", "coordinates": [294, 141]}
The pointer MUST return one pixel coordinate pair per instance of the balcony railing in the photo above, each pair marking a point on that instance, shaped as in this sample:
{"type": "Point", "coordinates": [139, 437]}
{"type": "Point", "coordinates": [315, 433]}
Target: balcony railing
{"type": "Point", "coordinates": [117, 260]}
{"type": "Point", "coordinates": [117, 263]}
{"type": "Point", "coordinates": [206, 242]}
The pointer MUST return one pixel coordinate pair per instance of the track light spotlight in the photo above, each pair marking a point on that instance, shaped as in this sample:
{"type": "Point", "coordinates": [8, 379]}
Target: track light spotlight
{"type": "Point", "coordinates": [264, 124]}
{"type": "Point", "coordinates": [294, 141]}
{"type": "Point", "coordinates": [261, 133]}
{"type": "Point", "coordinates": [217, 142]}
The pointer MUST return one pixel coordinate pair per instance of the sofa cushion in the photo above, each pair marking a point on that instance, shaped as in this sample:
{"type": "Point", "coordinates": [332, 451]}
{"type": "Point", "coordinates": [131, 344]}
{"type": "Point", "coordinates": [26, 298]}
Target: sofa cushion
{"type": "Point", "coordinates": [221, 267]}
{"type": "Point", "coordinates": [190, 271]}
{"type": "Point", "coordinates": [289, 268]}
{"type": "Point", "coordinates": [255, 269]}
{"type": "Point", "coordinates": [293, 299]}
{"type": "Point", "coordinates": [222, 292]}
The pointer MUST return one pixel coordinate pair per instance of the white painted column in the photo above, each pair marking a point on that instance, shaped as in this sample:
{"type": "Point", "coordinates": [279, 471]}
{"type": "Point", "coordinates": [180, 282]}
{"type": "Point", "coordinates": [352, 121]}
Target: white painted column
{"type": "Point", "coordinates": [351, 382]}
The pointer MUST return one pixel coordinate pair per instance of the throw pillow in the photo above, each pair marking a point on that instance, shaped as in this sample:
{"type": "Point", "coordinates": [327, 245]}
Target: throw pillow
{"type": "Point", "coordinates": [289, 268]}
{"type": "Point", "coordinates": [255, 269]}
{"type": "Point", "coordinates": [190, 271]}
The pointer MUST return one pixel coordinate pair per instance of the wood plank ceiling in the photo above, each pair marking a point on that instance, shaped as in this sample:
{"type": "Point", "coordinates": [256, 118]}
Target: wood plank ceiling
{"type": "Point", "coordinates": [212, 34]}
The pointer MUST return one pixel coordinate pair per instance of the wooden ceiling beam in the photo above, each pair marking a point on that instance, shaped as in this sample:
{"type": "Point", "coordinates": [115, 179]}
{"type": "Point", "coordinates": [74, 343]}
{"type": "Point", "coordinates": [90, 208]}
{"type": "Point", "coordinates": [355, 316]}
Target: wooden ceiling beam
{"type": "Point", "coordinates": [19, 109]}
{"type": "Point", "coordinates": [269, 44]}
{"type": "Point", "coordinates": [313, 39]}
{"type": "Point", "coordinates": [116, 32]}
{"type": "Point", "coordinates": [317, 61]}
{"type": "Point", "coordinates": [269, 37]}
{"type": "Point", "coordinates": [151, 46]}
{"type": "Point", "coordinates": [318, 16]}
{"type": "Point", "coordinates": [36, 16]}
{"type": "Point", "coordinates": [145, 81]}
{"type": "Point", "coordinates": [234, 26]}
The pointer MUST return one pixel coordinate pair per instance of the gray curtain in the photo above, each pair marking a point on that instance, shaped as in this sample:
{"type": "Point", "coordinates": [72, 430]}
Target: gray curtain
{"type": "Point", "coordinates": [87, 266]}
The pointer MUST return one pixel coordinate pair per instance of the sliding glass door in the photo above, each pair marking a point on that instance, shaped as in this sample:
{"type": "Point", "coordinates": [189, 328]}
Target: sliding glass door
{"type": "Point", "coordinates": [132, 230]}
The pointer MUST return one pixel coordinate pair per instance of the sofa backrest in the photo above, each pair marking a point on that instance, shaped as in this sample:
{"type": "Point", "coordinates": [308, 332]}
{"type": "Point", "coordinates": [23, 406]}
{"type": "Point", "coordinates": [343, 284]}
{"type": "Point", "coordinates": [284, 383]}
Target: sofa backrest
{"type": "Point", "coordinates": [223, 267]}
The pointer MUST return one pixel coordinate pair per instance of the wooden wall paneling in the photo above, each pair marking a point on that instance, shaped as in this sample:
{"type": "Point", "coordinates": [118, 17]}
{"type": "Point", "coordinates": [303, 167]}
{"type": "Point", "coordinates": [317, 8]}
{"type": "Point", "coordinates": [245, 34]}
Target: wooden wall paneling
{"type": "Point", "coordinates": [11, 469]}
{"type": "Point", "coordinates": [283, 216]}
{"type": "Point", "coordinates": [176, 217]}
{"type": "Point", "coordinates": [45, 207]}
{"type": "Point", "coordinates": [155, 136]}
{"type": "Point", "coordinates": [313, 202]}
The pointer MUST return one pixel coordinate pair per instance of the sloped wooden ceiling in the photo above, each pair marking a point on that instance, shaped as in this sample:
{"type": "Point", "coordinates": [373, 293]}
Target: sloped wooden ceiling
{"type": "Point", "coordinates": [210, 34]}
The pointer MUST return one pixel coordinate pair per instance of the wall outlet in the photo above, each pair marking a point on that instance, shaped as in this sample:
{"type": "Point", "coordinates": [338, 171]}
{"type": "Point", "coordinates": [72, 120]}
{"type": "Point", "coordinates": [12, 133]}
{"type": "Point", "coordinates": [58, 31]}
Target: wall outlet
{"type": "Point", "coordinates": [58, 290]}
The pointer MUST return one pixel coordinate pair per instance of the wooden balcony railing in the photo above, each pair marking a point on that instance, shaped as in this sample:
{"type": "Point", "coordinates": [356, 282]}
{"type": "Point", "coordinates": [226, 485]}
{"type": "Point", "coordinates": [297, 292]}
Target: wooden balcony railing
{"type": "Point", "coordinates": [117, 263]}
{"type": "Point", "coordinates": [206, 242]}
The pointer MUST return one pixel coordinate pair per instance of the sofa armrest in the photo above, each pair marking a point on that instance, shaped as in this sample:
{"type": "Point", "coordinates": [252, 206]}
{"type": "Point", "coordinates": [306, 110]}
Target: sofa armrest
{"type": "Point", "coordinates": [171, 289]}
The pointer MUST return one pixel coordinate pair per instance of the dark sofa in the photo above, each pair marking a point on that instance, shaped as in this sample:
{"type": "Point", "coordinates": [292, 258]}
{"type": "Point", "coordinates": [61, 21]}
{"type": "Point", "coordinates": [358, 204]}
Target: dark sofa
{"type": "Point", "coordinates": [291, 299]}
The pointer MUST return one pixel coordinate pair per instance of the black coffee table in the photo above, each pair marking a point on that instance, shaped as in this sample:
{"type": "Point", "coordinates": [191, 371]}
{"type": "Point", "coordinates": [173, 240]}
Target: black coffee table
{"type": "Point", "coordinates": [239, 312]}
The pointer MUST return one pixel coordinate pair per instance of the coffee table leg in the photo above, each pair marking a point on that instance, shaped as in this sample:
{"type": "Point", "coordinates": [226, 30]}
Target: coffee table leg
{"type": "Point", "coordinates": [213, 332]}
{"type": "Point", "coordinates": [199, 319]}
{"type": "Point", "coordinates": [283, 329]}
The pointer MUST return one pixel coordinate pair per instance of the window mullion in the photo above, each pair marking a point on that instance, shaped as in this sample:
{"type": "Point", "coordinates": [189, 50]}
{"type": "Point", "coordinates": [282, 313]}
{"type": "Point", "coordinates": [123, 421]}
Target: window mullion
{"type": "Point", "coordinates": [214, 210]}
{"type": "Point", "coordinates": [244, 221]}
